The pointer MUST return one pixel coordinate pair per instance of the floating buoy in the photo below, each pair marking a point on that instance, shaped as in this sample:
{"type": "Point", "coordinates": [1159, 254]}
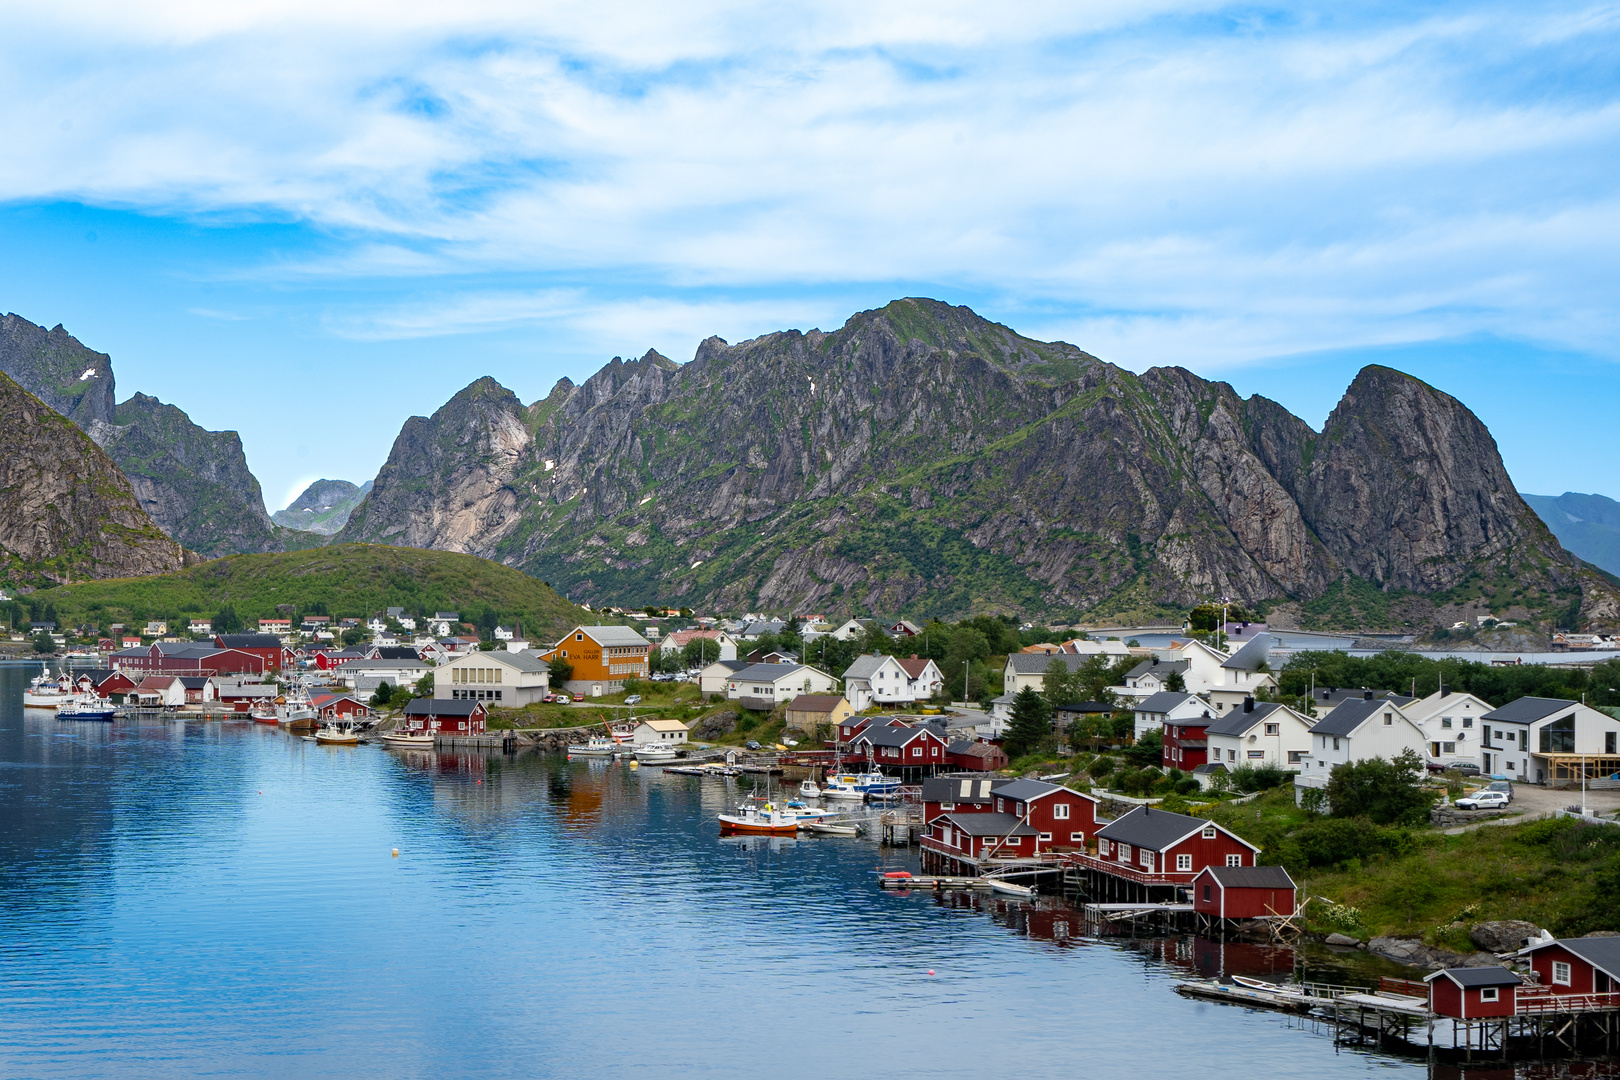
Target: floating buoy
{"type": "Point", "coordinates": [634, 764]}
{"type": "Point", "coordinates": [930, 971]}
{"type": "Point", "coordinates": [396, 855]}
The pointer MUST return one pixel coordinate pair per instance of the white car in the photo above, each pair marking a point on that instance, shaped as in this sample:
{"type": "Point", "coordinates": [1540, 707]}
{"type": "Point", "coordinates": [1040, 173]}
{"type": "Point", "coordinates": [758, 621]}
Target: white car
{"type": "Point", "coordinates": [1483, 800]}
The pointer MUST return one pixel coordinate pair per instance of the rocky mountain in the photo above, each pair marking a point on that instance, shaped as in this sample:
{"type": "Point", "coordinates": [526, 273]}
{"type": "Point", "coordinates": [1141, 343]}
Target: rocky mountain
{"type": "Point", "coordinates": [68, 513]}
{"type": "Point", "coordinates": [194, 483]}
{"type": "Point", "coordinates": [1588, 525]}
{"type": "Point", "coordinates": [923, 460]}
{"type": "Point", "coordinates": [323, 508]}
{"type": "Point", "coordinates": [53, 366]}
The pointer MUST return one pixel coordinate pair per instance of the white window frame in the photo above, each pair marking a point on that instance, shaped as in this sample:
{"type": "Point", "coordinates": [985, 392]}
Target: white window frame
{"type": "Point", "coordinates": [1045, 838]}
{"type": "Point", "coordinates": [1561, 973]}
{"type": "Point", "coordinates": [1209, 832]}
{"type": "Point", "coordinates": [1077, 838]}
{"type": "Point", "coordinates": [1124, 853]}
{"type": "Point", "coordinates": [1488, 993]}
{"type": "Point", "coordinates": [1103, 847]}
{"type": "Point", "coordinates": [1183, 863]}
{"type": "Point", "coordinates": [1144, 856]}
{"type": "Point", "coordinates": [1060, 811]}
{"type": "Point", "coordinates": [1234, 860]}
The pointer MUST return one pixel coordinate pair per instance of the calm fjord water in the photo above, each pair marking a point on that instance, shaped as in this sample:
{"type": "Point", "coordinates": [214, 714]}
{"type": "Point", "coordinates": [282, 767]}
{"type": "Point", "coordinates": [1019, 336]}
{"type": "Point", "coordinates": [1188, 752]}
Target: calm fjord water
{"type": "Point", "coordinates": [220, 899]}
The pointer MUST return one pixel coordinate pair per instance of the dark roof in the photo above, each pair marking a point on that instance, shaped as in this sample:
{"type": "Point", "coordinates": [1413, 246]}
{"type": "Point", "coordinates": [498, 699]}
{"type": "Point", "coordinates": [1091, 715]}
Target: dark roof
{"type": "Point", "coordinates": [194, 682]}
{"type": "Point", "coordinates": [973, 747]}
{"type": "Point", "coordinates": [1162, 702]}
{"type": "Point", "coordinates": [989, 824]}
{"type": "Point", "coordinates": [767, 672]}
{"type": "Point", "coordinates": [1037, 663]}
{"type": "Point", "coordinates": [1252, 655]}
{"type": "Point", "coordinates": [250, 641]}
{"type": "Point", "coordinates": [440, 707]}
{"type": "Point", "coordinates": [1347, 717]}
{"type": "Point", "coordinates": [1251, 877]}
{"type": "Point", "coordinates": [1028, 790]}
{"type": "Point", "coordinates": [949, 789]}
{"type": "Point", "coordinates": [892, 736]}
{"type": "Point", "coordinates": [1163, 667]}
{"type": "Point", "coordinates": [1237, 721]}
{"type": "Point", "coordinates": [1156, 829]}
{"type": "Point", "coordinates": [815, 703]}
{"type": "Point", "coordinates": [1087, 707]}
{"type": "Point", "coordinates": [396, 652]}
{"type": "Point", "coordinates": [1527, 710]}
{"type": "Point", "coordinates": [1478, 976]}
{"type": "Point", "coordinates": [1600, 952]}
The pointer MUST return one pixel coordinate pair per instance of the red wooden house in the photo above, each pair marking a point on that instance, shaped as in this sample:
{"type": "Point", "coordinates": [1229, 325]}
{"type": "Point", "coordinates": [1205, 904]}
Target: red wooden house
{"type": "Point", "coordinates": [1060, 817]}
{"type": "Point", "coordinates": [1168, 847]}
{"type": "Point", "coordinates": [1243, 892]}
{"type": "Point", "coordinates": [902, 747]}
{"type": "Point", "coordinates": [979, 756]}
{"type": "Point", "coordinates": [1186, 743]}
{"type": "Point", "coordinates": [851, 728]}
{"type": "Point", "coordinates": [1473, 993]}
{"type": "Point", "coordinates": [444, 715]}
{"type": "Point", "coordinates": [975, 837]}
{"type": "Point", "coordinates": [1577, 965]}
{"type": "Point", "coordinates": [957, 795]}
{"type": "Point", "coordinates": [267, 646]}
{"type": "Point", "coordinates": [336, 706]}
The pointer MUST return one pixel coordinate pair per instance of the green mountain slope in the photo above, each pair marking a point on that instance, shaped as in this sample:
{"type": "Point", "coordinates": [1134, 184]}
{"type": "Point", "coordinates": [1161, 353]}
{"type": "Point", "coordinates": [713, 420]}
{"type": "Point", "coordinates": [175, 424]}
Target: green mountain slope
{"type": "Point", "coordinates": [925, 461]}
{"type": "Point", "coordinates": [350, 579]}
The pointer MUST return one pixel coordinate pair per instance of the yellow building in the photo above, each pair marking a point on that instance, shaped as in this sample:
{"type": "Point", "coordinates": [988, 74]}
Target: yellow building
{"type": "Point", "coordinates": [602, 657]}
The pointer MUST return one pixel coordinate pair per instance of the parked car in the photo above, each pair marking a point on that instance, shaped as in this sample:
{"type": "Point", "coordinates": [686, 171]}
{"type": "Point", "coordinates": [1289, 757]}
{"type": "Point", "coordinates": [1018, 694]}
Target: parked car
{"type": "Point", "coordinates": [1466, 768]}
{"type": "Point", "coordinates": [633, 699]}
{"type": "Point", "coordinates": [579, 697]}
{"type": "Point", "coordinates": [1504, 786]}
{"type": "Point", "coordinates": [1483, 800]}
{"type": "Point", "coordinates": [751, 744]}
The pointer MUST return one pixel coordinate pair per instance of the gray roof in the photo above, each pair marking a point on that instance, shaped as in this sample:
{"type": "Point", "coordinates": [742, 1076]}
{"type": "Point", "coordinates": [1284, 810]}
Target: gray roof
{"type": "Point", "coordinates": [1252, 655]}
{"type": "Point", "coordinates": [1158, 666]}
{"type": "Point", "coordinates": [1600, 952]}
{"type": "Point", "coordinates": [250, 641]}
{"type": "Point", "coordinates": [1527, 710]}
{"type": "Point", "coordinates": [1037, 663]}
{"type": "Point", "coordinates": [989, 824]}
{"type": "Point", "coordinates": [440, 707]}
{"type": "Point", "coordinates": [1152, 829]}
{"type": "Point", "coordinates": [864, 667]}
{"type": "Point", "coordinates": [193, 682]}
{"type": "Point", "coordinates": [1027, 790]}
{"type": "Point", "coordinates": [893, 736]}
{"type": "Point", "coordinates": [385, 665]}
{"type": "Point", "coordinates": [1237, 722]}
{"type": "Point", "coordinates": [1333, 696]}
{"type": "Point", "coordinates": [734, 665]}
{"type": "Point", "coordinates": [1085, 707]}
{"type": "Point", "coordinates": [614, 635]}
{"type": "Point", "coordinates": [1251, 877]}
{"type": "Point", "coordinates": [949, 789]}
{"type": "Point", "coordinates": [1162, 702]}
{"type": "Point", "coordinates": [396, 652]}
{"type": "Point", "coordinates": [1347, 717]}
{"type": "Point", "coordinates": [768, 672]}
{"type": "Point", "coordinates": [1477, 976]}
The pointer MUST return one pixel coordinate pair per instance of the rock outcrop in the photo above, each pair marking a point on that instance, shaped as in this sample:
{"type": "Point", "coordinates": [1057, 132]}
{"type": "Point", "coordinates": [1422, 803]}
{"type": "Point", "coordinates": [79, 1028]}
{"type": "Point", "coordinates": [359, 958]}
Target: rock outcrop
{"type": "Point", "coordinates": [67, 512]}
{"type": "Point", "coordinates": [924, 460]}
{"type": "Point", "coordinates": [194, 483]}
{"type": "Point", "coordinates": [53, 366]}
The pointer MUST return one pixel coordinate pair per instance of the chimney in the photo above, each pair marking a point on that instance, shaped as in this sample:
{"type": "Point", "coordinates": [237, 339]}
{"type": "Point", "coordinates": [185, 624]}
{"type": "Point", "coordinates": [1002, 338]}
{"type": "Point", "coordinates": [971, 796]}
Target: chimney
{"type": "Point", "coordinates": [914, 656]}
{"type": "Point", "coordinates": [1248, 704]}
{"type": "Point", "coordinates": [1445, 691]}
{"type": "Point", "coordinates": [1366, 695]}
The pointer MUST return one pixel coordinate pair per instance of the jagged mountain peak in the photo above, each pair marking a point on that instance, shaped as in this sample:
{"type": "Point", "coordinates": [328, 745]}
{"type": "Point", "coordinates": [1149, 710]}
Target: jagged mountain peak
{"type": "Point", "coordinates": [57, 368]}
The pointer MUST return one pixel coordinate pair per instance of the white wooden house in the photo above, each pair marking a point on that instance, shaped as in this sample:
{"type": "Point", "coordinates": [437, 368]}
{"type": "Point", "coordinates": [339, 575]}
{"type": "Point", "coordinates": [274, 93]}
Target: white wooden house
{"type": "Point", "coordinates": [1549, 741]}
{"type": "Point", "coordinates": [1260, 733]}
{"type": "Point", "coordinates": [1357, 731]}
{"type": "Point", "coordinates": [1450, 723]}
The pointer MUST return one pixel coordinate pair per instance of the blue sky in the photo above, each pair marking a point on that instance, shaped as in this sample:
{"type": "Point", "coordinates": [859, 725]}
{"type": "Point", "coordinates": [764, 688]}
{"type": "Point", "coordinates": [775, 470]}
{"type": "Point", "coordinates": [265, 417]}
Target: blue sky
{"type": "Point", "coordinates": [308, 221]}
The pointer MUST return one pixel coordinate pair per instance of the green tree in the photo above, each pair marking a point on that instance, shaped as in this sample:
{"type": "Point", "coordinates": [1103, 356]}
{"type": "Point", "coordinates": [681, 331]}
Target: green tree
{"type": "Point", "coordinates": [1061, 685]}
{"type": "Point", "coordinates": [561, 671]}
{"type": "Point", "coordinates": [700, 652]}
{"type": "Point", "coordinates": [384, 694]}
{"type": "Point", "coordinates": [1148, 750]}
{"type": "Point", "coordinates": [43, 643]}
{"type": "Point", "coordinates": [1175, 683]}
{"type": "Point", "coordinates": [354, 635]}
{"type": "Point", "coordinates": [1031, 723]}
{"type": "Point", "coordinates": [1386, 792]}
{"type": "Point", "coordinates": [1095, 676]}
{"type": "Point", "coordinates": [227, 621]}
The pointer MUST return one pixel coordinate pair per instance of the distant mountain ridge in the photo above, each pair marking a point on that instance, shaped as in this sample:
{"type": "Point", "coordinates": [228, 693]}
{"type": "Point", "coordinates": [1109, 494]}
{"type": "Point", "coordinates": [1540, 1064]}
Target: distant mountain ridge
{"type": "Point", "coordinates": [323, 508]}
{"type": "Point", "coordinates": [924, 460]}
{"type": "Point", "coordinates": [1588, 525]}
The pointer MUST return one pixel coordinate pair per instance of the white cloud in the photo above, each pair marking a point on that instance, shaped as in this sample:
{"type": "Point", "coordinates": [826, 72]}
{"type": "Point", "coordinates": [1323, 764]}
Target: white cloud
{"type": "Point", "coordinates": [1183, 181]}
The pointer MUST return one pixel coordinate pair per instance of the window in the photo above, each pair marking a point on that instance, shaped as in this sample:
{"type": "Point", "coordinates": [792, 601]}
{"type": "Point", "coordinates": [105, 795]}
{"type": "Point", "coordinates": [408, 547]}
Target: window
{"type": "Point", "coordinates": [1273, 729]}
{"type": "Point", "coordinates": [1103, 846]}
{"type": "Point", "coordinates": [1558, 737]}
{"type": "Point", "coordinates": [1445, 722]}
{"type": "Point", "coordinates": [1608, 742]}
{"type": "Point", "coordinates": [1231, 755]}
{"type": "Point", "coordinates": [1046, 837]}
{"type": "Point", "coordinates": [1077, 838]}
{"type": "Point", "coordinates": [1488, 993]}
{"type": "Point", "coordinates": [1468, 721]}
{"type": "Point", "coordinates": [1000, 809]}
{"type": "Point", "coordinates": [1061, 811]}
{"type": "Point", "coordinates": [1448, 748]}
{"type": "Point", "coordinates": [1183, 864]}
{"type": "Point", "coordinates": [1389, 719]}
{"type": "Point", "coordinates": [579, 637]}
{"type": "Point", "coordinates": [1209, 832]}
{"type": "Point", "coordinates": [1124, 853]}
{"type": "Point", "coordinates": [1560, 973]}
{"type": "Point", "coordinates": [1296, 756]}
{"type": "Point", "coordinates": [1234, 860]}
{"type": "Point", "coordinates": [1487, 735]}
{"type": "Point", "coordinates": [1146, 858]}
{"type": "Point", "coordinates": [1524, 739]}
{"type": "Point", "coordinates": [1335, 744]}
{"type": "Point", "coordinates": [1255, 755]}
{"type": "Point", "coordinates": [916, 751]}
{"type": "Point", "coordinates": [947, 806]}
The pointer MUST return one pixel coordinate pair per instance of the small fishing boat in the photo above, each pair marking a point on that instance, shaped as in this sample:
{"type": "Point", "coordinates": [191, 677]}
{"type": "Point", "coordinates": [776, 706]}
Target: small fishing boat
{"type": "Point", "coordinates": [408, 740]}
{"type": "Point", "coordinates": [810, 790]}
{"type": "Point", "coordinates": [843, 788]}
{"type": "Point", "coordinates": [1010, 888]}
{"type": "Point", "coordinates": [338, 734]}
{"type": "Point", "coordinates": [759, 820]}
{"type": "Point", "coordinates": [597, 746]}
{"type": "Point", "coordinates": [264, 713]}
{"type": "Point", "coordinates": [45, 692]}
{"type": "Point", "coordinates": [653, 754]}
{"type": "Point", "coordinates": [830, 828]}
{"type": "Point", "coordinates": [87, 707]}
{"type": "Point", "coordinates": [875, 783]}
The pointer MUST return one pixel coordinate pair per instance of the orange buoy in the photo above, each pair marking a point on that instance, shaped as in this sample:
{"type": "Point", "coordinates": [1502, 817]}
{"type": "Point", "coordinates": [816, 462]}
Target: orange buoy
{"type": "Point", "coordinates": [396, 855]}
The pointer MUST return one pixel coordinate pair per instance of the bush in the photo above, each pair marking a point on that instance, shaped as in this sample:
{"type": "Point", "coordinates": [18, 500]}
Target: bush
{"type": "Point", "coordinates": [1186, 786]}
{"type": "Point", "coordinates": [1101, 767]}
{"type": "Point", "coordinates": [632, 686]}
{"type": "Point", "coordinates": [1148, 750]}
{"type": "Point", "coordinates": [1339, 841]}
{"type": "Point", "coordinates": [1251, 778]}
{"type": "Point", "coordinates": [1385, 791]}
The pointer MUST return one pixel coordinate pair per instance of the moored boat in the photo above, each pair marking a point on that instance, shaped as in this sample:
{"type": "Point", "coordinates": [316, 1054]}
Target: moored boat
{"type": "Point", "coordinates": [44, 692]}
{"type": "Point", "coordinates": [842, 787]}
{"type": "Point", "coordinates": [645, 754]}
{"type": "Point", "coordinates": [598, 746]}
{"type": "Point", "coordinates": [831, 828]}
{"type": "Point", "coordinates": [87, 707]}
{"type": "Point", "coordinates": [810, 790]}
{"type": "Point", "coordinates": [751, 819]}
{"type": "Point", "coordinates": [338, 734]}
{"type": "Point", "coordinates": [408, 740]}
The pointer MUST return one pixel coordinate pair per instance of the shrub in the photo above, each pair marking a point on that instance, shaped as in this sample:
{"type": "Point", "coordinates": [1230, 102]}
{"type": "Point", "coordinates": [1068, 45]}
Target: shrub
{"type": "Point", "coordinates": [1251, 778]}
{"type": "Point", "coordinates": [1186, 786]}
{"type": "Point", "coordinates": [1101, 767]}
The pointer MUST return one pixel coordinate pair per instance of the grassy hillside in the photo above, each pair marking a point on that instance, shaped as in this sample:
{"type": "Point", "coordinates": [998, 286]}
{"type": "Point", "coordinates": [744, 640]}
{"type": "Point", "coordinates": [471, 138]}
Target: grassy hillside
{"type": "Point", "coordinates": [350, 579]}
